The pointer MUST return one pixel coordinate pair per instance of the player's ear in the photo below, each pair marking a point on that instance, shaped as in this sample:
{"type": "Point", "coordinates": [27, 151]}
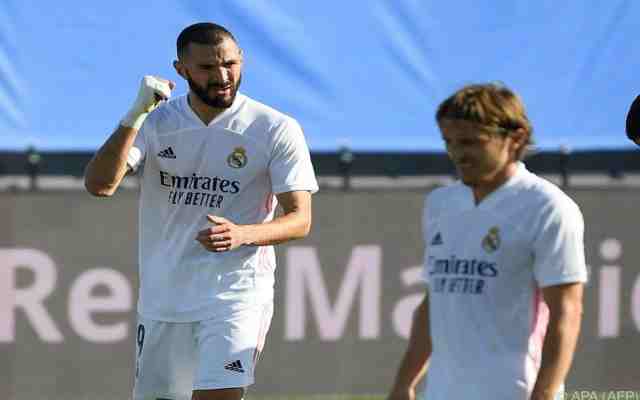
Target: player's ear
{"type": "Point", "coordinates": [519, 138]}
{"type": "Point", "coordinates": [180, 68]}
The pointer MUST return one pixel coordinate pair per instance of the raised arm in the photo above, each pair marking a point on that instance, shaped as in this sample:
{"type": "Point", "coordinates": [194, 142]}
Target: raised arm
{"type": "Point", "coordinates": [108, 166]}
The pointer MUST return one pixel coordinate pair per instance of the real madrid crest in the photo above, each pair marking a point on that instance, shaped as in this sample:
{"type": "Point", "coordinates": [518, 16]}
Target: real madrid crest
{"type": "Point", "coordinates": [238, 158]}
{"type": "Point", "coordinates": [491, 241]}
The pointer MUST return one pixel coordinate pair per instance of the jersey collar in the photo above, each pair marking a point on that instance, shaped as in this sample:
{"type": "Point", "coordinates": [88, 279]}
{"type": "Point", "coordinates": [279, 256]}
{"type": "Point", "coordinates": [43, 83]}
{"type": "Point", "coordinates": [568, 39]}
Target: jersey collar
{"type": "Point", "coordinates": [503, 190]}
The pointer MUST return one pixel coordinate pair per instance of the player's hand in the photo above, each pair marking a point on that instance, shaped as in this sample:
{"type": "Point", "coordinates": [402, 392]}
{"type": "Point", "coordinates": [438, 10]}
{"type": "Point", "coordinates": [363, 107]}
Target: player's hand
{"type": "Point", "coordinates": [402, 394]}
{"type": "Point", "coordinates": [153, 90]}
{"type": "Point", "coordinates": [224, 235]}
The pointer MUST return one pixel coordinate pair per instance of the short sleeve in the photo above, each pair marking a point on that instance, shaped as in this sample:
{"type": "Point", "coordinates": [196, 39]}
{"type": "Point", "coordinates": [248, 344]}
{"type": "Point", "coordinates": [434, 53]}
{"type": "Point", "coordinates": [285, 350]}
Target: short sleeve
{"type": "Point", "coordinates": [426, 233]}
{"type": "Point", "coordinates": [137, 152]}
{"type": "Point", "coordinates": [558, 247]}
{"type": "Point", "coordinates": [290, 167]}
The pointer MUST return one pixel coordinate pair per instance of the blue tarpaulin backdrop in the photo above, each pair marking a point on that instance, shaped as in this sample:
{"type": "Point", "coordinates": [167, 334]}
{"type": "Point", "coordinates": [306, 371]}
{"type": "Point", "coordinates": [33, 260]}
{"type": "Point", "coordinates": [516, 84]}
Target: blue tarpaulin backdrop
{"type": "Point", "coordinates": [368, 74]}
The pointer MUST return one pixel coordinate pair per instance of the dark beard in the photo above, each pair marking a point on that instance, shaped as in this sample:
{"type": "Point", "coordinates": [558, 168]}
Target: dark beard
{"type": "Point", "coordinates": [216, 101]}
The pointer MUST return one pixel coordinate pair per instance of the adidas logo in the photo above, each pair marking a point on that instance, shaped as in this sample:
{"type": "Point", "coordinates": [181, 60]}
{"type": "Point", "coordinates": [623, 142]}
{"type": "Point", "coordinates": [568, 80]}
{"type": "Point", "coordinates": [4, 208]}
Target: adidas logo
{"type": "Point", "coordinates": [437, 240]}
{"type": "Point", "coordinates": [234, 366]}
{"type": "Point", "coordinates": [167, 153]}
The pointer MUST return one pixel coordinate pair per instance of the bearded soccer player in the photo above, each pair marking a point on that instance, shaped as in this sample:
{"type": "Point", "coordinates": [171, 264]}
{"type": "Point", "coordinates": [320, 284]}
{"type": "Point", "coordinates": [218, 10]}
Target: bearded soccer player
{"type": "Point", "coordinates": [504, 265]}
{"type": "Point", "coordinates": [216, 164]}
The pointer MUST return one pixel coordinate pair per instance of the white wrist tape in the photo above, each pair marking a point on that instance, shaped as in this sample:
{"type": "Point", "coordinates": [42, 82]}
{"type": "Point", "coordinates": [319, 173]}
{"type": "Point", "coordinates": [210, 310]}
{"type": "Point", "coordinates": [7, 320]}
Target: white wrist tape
{"type": "Point", "coordinates": [133, 119]}
{"type": "Point", "coordinates": [152, 91]}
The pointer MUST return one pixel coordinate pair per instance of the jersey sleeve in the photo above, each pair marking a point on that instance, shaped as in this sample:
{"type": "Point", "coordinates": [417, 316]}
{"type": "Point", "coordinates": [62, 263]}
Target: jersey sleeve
{"type": "Point", "coordinates": [290, 167]}
{"type": "Point", "coordinates": [138, 151]}
{"type": "Point", "coordinates": [426, 233]}
{"type": "Point", "coordinates": [558, 247]}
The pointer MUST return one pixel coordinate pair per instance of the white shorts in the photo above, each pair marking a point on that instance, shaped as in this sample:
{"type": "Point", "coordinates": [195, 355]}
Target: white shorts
{"type": "Point", "coordinates": [173, 359]}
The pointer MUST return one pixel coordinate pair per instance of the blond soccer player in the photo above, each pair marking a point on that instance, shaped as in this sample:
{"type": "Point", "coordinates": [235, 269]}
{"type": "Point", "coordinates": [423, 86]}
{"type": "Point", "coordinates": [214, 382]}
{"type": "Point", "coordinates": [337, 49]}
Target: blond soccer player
{"type": "Point", "coordinates": [504, 265]}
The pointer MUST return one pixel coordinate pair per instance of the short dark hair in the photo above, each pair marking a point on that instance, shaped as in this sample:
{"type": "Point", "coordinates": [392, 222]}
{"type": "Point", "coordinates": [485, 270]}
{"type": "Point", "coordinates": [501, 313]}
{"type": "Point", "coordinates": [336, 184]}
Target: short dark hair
{"type": "Point", "coordinates": [202, 33]}
{"type": "Point", "coordinates": [633, 120]}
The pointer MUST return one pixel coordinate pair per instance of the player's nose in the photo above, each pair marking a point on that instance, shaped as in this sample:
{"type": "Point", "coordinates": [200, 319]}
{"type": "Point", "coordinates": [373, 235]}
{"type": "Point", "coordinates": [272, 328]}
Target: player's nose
{"type": "Point", "coordinates": [220, 75]}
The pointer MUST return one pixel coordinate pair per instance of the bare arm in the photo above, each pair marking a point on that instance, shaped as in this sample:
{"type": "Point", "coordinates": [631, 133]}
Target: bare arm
{"type": "Point", "coordinates": [108, 166]}
{"type": "Point", "coordinates": [295, 223]}
{"type": "Point", "coordinates": [415, 361]}
{"type": "Point", "coordinates": [565, 315]}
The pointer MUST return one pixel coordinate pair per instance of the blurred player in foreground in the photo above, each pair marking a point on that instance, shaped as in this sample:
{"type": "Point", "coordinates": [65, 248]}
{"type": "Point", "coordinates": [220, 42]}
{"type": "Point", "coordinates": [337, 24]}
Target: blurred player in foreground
{"type": "Point", "coordinates": [504, 265]}
{"type": "Point", "coordinates": [633, 121]}
{"type": "Point", "coordinates": [216, 164]}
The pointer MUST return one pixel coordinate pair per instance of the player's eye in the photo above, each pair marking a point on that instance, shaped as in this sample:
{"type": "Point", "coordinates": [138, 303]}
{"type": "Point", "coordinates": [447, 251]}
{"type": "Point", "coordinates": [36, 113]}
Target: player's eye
{"type": "Point", "coordinates": [207, 67]}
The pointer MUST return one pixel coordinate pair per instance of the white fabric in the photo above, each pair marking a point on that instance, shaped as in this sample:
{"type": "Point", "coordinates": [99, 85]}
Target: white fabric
{"type": "Point", "coordinates": [231, 168]}
{"type": "Point", "coordinates": [485, 266]}
{"type": "Point", "coordinates": [173, 359]}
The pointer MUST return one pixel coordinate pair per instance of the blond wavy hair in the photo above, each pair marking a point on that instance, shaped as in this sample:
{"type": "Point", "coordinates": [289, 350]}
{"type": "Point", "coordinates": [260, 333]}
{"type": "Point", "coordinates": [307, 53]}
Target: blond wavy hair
{"type": "Point", "coordinates": [489, 104]}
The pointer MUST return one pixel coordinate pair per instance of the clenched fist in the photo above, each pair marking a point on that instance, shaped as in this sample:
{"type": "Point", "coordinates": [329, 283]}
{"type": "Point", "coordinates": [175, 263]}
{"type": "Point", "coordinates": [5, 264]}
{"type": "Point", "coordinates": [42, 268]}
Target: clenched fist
{"type": "Point", "coordinates": [153, 90]}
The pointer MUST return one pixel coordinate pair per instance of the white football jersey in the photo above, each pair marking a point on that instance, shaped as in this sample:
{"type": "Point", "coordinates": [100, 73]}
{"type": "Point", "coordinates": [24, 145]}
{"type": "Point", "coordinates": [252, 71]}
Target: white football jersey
{"type": "Point", "coordinates": [485, 266]}
{"type": "Point", "coordinates": [231, 168]}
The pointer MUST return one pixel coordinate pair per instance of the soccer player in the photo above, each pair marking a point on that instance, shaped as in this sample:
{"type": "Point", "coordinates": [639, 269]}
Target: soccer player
{"type": "Point", "coordinates": [215, 163]}
{"type": "Point", "coordinates": [504, 265]}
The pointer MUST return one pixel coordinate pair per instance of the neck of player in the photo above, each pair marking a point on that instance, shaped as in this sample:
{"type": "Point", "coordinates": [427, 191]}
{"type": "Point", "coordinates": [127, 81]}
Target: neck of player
{"type": "Point", "coordinates": [489, 184]}
{"type": "Point", "coordinates": [205, 112]}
